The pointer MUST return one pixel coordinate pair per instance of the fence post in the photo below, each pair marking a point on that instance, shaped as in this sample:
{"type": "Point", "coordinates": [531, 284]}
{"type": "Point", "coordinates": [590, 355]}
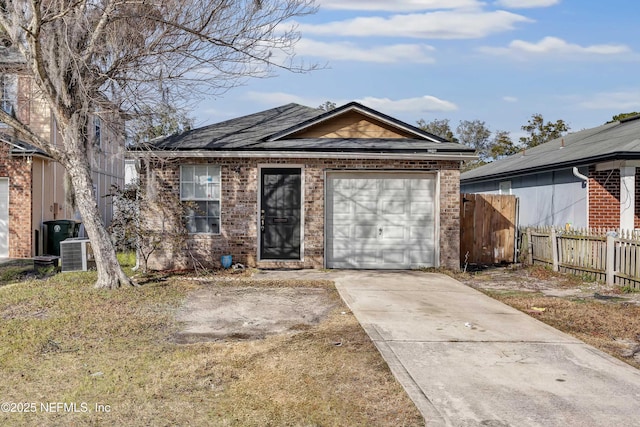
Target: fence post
{"type": "Point", "coordinates": [529, 247]}
{"type": "Point", "coordinates": [554, 248]}
{"type": "Point", "coordinates": [610, 267]}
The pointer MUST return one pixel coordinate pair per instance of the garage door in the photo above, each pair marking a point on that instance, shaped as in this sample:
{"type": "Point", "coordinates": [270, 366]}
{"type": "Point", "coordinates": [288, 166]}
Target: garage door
{"type": "Point", "coordinates": [4, 217]}
{"type": "Point", "coordinates": [380, 220]}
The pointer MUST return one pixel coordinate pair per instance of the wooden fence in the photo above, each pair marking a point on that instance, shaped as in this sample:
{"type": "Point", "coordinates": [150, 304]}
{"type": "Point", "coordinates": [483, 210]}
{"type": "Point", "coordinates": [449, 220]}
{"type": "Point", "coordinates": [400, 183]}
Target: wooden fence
{"type": "Point", "coordinates": [609, 256]}
{"type": "Point", "coordinates": [487, 228]}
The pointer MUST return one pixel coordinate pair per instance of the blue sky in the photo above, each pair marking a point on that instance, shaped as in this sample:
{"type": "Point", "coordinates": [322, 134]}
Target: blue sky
{"type": "Point", "coordinates": [497, 61]}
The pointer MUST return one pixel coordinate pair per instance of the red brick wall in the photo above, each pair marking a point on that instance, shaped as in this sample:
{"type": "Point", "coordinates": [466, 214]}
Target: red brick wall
{"type": "Point", "coordinates": [19, 174]}
{"type": "Point", "coordinates": [239, 207]}
{"type": "Point", "coordinates": [604, 198]}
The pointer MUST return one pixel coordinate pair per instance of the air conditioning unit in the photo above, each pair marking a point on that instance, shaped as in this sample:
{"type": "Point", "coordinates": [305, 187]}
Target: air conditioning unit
{"type": "Point", "coordinates": [76, 255]}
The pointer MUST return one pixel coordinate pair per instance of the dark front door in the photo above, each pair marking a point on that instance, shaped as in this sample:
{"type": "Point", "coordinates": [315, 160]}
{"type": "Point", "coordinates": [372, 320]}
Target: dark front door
{"type": "Point", "coordinates": [280, 213]}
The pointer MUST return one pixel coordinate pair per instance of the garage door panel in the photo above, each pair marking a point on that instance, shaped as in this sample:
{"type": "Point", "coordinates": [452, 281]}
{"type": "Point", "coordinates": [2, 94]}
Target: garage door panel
{"type": "Point", "coordinates": [365, 206]}
{"type": "Point", "coordinates": [421, 233]}
{"type": "Point", "coordinates": [394, 233]}
{"type": "Point", "coordinates": [393, 207]}
{"type": "Point", "coordinates": [395, 257]}
{"type": "Point", "coordinates": [417, 257]}
{"type": "Point", "coordinates": [380, 220]}
{"type": "Point", "coordinates": [365, 232]}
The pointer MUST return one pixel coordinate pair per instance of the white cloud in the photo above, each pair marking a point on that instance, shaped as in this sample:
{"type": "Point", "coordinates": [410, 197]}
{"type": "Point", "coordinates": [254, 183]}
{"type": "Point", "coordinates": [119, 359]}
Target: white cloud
{"type": "Point", "coordinates": [397, 5]}
{"type": "Point", "coordinates": [346, 51]}
{"type": "Point", "coordinates": [419, 105]}
{"type": "Point", "coordinates": [617, 102]}
{"type": "Point", "coordinates": [525, 4]}
{"type": "Point", "coordinates": [509, 99]}
{"type": "Point", "coordinates": [434, 25]}
{"type": "Point", "coordinates": [550, 46]}
{"type": "Point", "coordinates": [423, 104]}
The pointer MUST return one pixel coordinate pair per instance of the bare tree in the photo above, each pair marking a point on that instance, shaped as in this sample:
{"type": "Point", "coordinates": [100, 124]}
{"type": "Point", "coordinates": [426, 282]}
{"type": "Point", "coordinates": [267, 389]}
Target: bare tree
{"type": "Point", "coordinates": [118, 56]}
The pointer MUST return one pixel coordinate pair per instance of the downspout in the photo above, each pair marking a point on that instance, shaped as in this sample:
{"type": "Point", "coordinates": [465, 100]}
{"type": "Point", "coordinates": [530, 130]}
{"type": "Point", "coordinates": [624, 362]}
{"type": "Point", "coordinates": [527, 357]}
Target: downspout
{"type": "Point", "coordinates": [585, 178]}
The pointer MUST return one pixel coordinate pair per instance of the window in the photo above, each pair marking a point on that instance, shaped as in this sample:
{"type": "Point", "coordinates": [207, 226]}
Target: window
{"type": "Point", "coordinates": [505, 187]}
{"type": "Point", "coordinates": [97, 131]}
{"type": "Point", "coordinates": [200, 185]}
{"type": "Point", "coordinates": [8, 93]}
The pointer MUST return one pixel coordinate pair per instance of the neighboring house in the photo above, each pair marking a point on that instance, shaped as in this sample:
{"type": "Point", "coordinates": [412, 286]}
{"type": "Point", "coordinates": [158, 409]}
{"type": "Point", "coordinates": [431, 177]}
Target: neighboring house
{"type": "Point", "coordinates": [298, 187]}
{"type": "Point", "coordinates": [32, 185]}
{"type": "Point", "coordinates": [584, 179]}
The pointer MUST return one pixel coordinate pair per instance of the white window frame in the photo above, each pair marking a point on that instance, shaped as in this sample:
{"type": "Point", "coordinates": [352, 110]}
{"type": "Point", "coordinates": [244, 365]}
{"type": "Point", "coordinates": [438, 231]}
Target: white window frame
{"type": "Point", "coordinates": [8, 92]}
{"type": "Point", "coordinates": [97, 131]}
{"type": "Point", "coordinates": [193, 191]}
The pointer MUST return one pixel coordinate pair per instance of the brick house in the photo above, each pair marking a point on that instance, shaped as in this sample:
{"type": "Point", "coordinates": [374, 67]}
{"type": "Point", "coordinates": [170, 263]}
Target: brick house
{"type": "Point", "coordinates": [32, 185]}
{"type": "Point", "coordinates": [298, 187]}
{"type": "Point", "coordinates": [584, 179]}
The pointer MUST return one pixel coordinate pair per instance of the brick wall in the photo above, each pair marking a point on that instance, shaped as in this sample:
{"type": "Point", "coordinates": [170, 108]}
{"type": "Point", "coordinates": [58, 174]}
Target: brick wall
{"type": "Point", "coordinates": [239, 208]}
{"type": "Point", "coordinates": [19, 173]}
{"type": "Point", "coordinates": [604, 198]}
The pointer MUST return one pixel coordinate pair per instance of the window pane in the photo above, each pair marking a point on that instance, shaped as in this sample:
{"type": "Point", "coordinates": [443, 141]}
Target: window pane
{"type": "Point", "coordinates": [187, 173]}
{"type": "Point", "coordinates": [202, 225]}
{"type": "Point", "coordinates": [214, 173]}
{"type": "Point", "coordinates": [200, 191]}
{"type": "Point", "coordinates": [186, 191]}
{"type": "Point", "coordinates": [200, 174]}
{"type": "Point", "coordinates": [191, 225]}
{"type": "Point", "coordinates": [213, 209]}
{"type": "Point", "coordinates": [214, 191]}
{"type": "Point", "coordinates": [215, 226]}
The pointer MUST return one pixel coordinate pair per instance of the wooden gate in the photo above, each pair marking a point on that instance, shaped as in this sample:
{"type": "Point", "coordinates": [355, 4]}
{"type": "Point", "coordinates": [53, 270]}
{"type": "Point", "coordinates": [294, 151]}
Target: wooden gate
{"type": "Point", "coordinates": [487, 228]}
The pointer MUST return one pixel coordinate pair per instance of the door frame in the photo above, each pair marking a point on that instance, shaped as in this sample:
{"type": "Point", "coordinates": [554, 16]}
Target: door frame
{"type": "Point", "coordinates": [259, 204]}
{"type": "Point", "coordinates": [436, 174]}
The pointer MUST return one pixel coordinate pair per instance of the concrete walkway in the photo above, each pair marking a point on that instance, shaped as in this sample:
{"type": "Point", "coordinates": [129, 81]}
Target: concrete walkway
{"type": "Point", "coordinates": [468, 360]}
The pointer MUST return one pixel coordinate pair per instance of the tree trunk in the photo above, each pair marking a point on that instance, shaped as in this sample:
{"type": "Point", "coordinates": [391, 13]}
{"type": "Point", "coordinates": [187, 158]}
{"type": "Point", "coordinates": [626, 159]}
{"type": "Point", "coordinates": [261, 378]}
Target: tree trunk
{"type": "Point", "coordinates": [110, 274]}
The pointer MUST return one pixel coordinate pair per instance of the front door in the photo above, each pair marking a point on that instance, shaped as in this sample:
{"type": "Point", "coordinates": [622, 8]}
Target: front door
{"type": "Point", "coordinates": [280, 213]}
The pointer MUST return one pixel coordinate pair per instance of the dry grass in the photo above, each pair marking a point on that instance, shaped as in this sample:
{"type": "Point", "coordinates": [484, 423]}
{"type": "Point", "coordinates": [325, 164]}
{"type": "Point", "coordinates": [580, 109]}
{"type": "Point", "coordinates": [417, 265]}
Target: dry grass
{"type": "Point", "coordinates": [611, 324]}
{"type": "Point", "coordinates": [63, 341]}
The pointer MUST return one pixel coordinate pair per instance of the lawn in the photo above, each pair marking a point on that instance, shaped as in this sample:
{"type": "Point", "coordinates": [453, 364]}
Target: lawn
{"type": "Point", "coordinates": [74, 355]}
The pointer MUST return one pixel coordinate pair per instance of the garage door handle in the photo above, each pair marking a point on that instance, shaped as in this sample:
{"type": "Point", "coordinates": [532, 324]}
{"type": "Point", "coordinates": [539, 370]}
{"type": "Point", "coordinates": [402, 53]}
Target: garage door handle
{"type": "Point", "coordinates": [380, 231]}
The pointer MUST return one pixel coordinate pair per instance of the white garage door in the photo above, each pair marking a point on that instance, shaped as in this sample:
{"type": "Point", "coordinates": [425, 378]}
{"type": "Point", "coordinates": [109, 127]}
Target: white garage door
{"type": "Point", "coordinates": [4, 217]}
{"type": "Point", "coordinates": [381, 220]}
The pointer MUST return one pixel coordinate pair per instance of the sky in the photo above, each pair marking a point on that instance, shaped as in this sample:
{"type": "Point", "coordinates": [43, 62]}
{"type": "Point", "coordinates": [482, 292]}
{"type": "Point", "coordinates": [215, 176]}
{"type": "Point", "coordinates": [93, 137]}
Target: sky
{"type": "Point", "coordinates": [499, 61]}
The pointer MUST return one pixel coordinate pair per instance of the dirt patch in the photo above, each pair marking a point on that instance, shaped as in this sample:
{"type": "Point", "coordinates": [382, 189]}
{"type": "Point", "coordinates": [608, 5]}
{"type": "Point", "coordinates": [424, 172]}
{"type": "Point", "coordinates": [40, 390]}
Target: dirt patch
{"type": "Point", "coordinates": [243, 313]}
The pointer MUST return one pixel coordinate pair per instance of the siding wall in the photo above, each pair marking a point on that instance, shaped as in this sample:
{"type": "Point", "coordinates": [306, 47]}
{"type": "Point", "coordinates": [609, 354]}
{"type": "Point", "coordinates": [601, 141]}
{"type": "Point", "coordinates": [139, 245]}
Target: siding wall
{"type": "Point", "coordinates": [552, 198]}
{"type": "Point", "coordinates": [36, 189]}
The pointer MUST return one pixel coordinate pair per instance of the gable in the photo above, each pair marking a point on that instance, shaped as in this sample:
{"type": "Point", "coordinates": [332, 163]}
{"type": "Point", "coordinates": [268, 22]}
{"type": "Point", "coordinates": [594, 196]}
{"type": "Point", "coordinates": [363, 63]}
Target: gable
{"type": "Point", "coordinates": [351, 124]}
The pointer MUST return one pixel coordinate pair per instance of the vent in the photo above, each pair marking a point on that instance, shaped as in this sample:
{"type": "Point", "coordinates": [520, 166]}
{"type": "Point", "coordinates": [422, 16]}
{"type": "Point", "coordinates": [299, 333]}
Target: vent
{"type": "Point", "coordinates": [76, 255]}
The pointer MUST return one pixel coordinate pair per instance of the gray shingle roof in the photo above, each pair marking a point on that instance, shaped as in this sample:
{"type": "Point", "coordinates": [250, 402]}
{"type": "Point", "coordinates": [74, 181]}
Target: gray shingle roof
{"type": "Point", "coordinates": [242, 132]}
{"type": "Point", "coordinates": [612, 141]}
{"type": "Point", "coordinates": [263, 131]}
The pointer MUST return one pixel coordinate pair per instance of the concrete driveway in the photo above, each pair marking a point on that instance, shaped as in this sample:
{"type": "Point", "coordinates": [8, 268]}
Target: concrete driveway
{"type": "Point", "coordinates": [468, 360]}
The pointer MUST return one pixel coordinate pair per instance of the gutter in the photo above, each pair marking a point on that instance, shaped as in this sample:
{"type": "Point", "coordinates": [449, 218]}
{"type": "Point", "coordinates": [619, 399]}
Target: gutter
{"type": "Point", "coordinates": [585, 184]}
{"type": "Point", "coordinates": [302, 155]}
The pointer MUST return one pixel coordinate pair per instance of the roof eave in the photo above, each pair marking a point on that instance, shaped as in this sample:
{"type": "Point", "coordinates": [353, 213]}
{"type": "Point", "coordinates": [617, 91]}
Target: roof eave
{"type": "Point", "coordinates": [556, 166]}
{"type": "Point", "coordinates": [459, 156]}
